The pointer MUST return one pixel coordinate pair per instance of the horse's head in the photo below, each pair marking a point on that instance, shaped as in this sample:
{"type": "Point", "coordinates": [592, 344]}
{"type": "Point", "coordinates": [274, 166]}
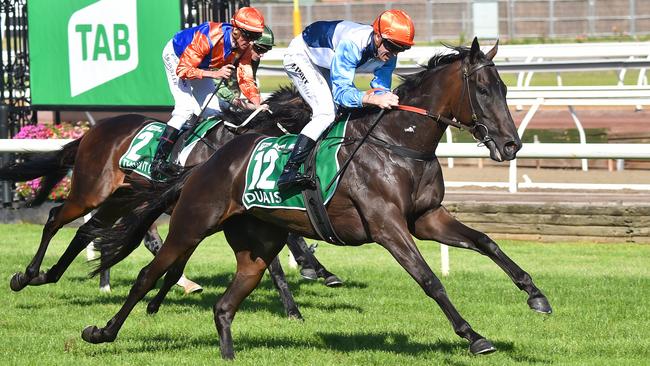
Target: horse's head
{"type": "Point", "coordinates": [465, 85]}
{"type": "Point", "coordinates": [482, 105]}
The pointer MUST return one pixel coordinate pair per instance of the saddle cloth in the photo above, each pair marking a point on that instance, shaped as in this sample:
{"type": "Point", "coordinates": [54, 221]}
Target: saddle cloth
{"type": "Point", "coordinates": [139, 155]}
{"type": "Point", "coordinates": [268, 159]}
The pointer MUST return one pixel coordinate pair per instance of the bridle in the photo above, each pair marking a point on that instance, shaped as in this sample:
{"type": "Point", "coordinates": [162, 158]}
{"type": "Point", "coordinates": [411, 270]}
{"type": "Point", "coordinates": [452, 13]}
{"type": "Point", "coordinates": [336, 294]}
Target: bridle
{"type": "Point", "coordinates": [476, 126]}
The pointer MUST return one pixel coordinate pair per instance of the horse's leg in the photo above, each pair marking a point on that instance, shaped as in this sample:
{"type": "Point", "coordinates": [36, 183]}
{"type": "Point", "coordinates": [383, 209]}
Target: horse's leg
{"type": "Point", "coordinates": [280, 283]}
{"type": "Point", "coordinates": [175, 247]}
{"type": "Point", "coordinates": [395, 237]}
{"type": "Point", "coordinates": [59, 216]}
{"type": "Point", "coordinates": [441, 226]}
{"type": "Point", "coordinates": [309, 263]}
{"type": "Point", "coordinates": [255, 244]}
{"type": "Point", "coordinates": [105, 216]}
{"type": "Point", "coordinates": [153, 242]}
{"type": "Point", "coordinates": [171, 278]}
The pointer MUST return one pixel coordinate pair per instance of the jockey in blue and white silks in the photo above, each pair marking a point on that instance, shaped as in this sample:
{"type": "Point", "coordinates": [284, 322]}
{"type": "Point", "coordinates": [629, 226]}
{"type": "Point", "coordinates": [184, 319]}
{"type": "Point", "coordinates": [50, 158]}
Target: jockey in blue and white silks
{"type": "Point", "coordinates": [322, 63]}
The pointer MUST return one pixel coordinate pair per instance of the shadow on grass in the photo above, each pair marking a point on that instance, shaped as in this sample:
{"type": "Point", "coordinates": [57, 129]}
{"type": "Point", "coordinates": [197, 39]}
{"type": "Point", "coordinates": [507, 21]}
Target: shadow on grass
{"type": "Point", "coordinates": [265, 300]}
{"type": "Point", "coordinates": [394, 342]}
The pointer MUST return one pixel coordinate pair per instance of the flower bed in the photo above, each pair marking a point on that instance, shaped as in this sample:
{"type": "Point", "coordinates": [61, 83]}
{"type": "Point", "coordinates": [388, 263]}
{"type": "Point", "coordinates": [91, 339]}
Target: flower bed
{"type": "Point", "coordinates": [27, 190]}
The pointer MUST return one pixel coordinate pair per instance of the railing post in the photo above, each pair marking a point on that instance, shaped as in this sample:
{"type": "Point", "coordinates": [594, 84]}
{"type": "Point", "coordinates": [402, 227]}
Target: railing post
{"type": "Point", "coordinates": [5, 157]}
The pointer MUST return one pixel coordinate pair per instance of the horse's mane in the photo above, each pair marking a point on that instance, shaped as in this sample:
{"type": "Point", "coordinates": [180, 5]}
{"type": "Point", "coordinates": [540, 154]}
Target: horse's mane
{"type": "Point", "coordinates": [287, 106]}
{"type": "Point", "coordinates": [436, 62]}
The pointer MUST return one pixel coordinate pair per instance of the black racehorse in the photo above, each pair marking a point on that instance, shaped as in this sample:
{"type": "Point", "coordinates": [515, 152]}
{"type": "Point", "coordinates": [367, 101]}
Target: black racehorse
{"type": "Point", "coordinates": [99, 183]}
{"type": "Point", "coordinates": [385, 196]}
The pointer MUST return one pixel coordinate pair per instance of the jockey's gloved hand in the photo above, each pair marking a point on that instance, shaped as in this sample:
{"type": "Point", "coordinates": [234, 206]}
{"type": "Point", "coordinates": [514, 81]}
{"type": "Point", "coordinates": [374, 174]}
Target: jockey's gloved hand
{"type": "Point", "coordinates": [244, 104]}
{"type": "Point", "coordinates": [384, 100]}
{"type": "Point", "coordinates": [222, 73]}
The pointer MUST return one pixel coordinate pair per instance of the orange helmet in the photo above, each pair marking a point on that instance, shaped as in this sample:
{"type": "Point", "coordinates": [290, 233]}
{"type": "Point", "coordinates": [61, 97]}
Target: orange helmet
{"type": "Point", "coordinates": [395, 26]}
{"type": "Point", "coordinates": [249, 19]}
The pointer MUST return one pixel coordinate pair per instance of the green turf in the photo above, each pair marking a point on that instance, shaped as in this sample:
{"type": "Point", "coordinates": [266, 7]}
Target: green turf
{"type": "Point", "coordinates": [600, 295]}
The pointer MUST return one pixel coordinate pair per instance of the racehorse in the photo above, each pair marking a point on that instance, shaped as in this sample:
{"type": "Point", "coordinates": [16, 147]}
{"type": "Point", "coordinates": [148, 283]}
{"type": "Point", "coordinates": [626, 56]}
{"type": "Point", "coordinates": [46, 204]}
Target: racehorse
{"type": "Point", "coordinates": [385, 196]}
{"type": "Point", "coordinates": [98, 182]}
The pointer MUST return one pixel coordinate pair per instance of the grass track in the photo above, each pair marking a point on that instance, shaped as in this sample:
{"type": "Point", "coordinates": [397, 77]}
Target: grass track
{"type": "Point", "coordinates": [599, 293]}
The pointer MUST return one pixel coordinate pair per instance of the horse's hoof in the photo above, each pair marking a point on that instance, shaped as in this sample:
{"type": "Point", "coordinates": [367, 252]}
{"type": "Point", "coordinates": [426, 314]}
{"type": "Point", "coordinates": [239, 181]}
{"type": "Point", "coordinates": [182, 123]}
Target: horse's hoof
{"type": "Point", "coordinates": [152, 308]}
{"type": "Point", "coordinates": [540, 304]}
{"type": "Point", "coordinates": [481, 347]}
{"type": "Point", "coordinates": [94, 335]}
{"type": "Point", "coordinates": [192, 288]}
{"type": "Point", "coordinates": [18, 281]}
{"type": "Point", "coordinates": [309, 274]}
{"type": "Point", "coordinates": [295, 315]}
{"type": "Point", "coordinates": [333, 281]}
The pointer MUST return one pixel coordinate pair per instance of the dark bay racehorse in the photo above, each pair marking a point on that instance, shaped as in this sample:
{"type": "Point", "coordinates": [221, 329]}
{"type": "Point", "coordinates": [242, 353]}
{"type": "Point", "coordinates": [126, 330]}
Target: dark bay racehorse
{"type": "Point", "coordinates": [383, 197]}
{"type": "Point", "coordinates": [98, 182]}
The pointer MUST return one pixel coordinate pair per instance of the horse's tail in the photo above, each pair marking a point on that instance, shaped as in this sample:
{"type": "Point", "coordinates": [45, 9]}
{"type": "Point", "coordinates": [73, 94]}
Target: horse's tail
{"type": "Point", "coordinates": [51, 166]}
{"type": "Point", "coordinates": [117, 242]}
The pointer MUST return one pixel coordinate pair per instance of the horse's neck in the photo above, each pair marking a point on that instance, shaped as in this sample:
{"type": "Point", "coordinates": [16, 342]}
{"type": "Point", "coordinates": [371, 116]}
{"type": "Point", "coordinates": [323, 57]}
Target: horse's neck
{"type": "Point", "coordinates": [412, 130]}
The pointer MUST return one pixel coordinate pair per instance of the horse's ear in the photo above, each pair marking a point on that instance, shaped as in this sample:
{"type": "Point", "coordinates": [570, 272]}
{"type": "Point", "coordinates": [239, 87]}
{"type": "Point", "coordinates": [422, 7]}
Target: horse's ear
{"type": "Point", "coordinates": [491, 53]}
{"type": "Point", "coordinates": [475, 50]}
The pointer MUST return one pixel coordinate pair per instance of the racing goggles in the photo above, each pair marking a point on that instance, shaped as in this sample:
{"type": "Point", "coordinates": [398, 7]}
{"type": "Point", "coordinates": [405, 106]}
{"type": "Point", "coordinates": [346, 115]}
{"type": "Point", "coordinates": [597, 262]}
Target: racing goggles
{"type": "Point", "coordinates": [250, 36]}
{"type": "Point", "coordinates": [259, 49]}
{"type": "Point", "coordinates": [393, 47]}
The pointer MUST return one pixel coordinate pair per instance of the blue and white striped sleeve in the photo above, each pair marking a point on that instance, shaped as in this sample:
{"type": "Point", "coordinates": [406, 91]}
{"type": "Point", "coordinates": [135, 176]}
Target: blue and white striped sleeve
{"type": "Point", "coordinates": [384, 75]}
{"type": "Point", "coordinates": [346, 57]}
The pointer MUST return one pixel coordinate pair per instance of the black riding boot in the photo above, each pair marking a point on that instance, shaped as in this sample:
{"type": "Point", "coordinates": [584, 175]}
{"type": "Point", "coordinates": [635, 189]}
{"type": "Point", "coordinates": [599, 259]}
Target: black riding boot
{"type": "Point", "coordinates": [160, 167]}
{"type": "Point", "coordinates": [291, 177]}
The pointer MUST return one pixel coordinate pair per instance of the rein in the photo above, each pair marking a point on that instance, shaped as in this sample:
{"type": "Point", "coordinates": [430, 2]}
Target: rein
{"type": "Point", "coordinates": [472, 128]}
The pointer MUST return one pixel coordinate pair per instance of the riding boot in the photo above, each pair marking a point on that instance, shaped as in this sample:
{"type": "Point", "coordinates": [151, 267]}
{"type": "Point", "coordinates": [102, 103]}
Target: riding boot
{"type": "Point", "coordinates": [291, 177]}
{"type": "Point", "coordinates": [160, 167]}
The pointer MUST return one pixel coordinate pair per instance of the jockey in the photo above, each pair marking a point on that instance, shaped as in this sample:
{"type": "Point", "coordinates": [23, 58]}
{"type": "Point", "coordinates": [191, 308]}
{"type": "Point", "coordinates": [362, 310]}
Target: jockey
{"type": "Point", "coordinates": [229, 92]}
{"type": "Point", "coordinates": [197, 54]}
{"type": "Point", "coordinates": [322, 63]}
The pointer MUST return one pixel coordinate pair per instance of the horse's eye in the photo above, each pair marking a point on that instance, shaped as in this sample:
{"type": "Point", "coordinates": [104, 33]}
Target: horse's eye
{"type": "Point", "coordinates": [482, 90]}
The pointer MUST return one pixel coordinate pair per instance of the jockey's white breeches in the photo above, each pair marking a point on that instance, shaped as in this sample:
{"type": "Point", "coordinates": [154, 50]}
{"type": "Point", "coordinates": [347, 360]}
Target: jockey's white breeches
{"type": "Point", "coordinates": [313, 87]}
{"type": "Point", "coordinates": [190, 96]}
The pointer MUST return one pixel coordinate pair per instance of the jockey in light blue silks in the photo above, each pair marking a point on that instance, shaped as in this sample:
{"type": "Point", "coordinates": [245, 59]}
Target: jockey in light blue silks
{"type": "Point", "coordinates": [322, 62]}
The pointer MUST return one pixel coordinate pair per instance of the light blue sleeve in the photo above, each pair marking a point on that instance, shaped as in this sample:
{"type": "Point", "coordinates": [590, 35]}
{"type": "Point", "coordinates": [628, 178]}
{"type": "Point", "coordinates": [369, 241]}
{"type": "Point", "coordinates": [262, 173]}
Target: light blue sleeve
{"type": "Point", "coordinates": [346, 57]}
{"type": "Point", "coordinates": [384, 75]}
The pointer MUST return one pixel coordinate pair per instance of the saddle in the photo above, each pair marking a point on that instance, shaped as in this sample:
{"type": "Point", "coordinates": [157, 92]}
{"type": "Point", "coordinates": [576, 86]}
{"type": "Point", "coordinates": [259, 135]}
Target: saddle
{"type": "Point", "coordinates": [314, 204]}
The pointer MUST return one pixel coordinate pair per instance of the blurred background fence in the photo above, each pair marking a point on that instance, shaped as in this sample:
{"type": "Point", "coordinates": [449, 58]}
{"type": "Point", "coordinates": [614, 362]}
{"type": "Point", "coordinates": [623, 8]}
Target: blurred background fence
{"type": "Point", "coordinates": [453, 19]}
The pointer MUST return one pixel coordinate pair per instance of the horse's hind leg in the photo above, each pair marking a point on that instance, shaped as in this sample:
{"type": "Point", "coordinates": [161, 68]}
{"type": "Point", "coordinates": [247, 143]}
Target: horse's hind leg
{"type": "Point", "coordinates": [311, 268]}
{"type": "Point", "coordinates": [255, 244]}
{"type": "Point", "coordinates": [171, 278]}
{"type": "Point", "coordinates": [280, 283]}
{"type": "Point", "coordinates": [153, 242]}
{"type": "Point", "coordinates": [59, 216]}
{"type": "Point", "coordinates": [441, 226]}
{"type": "Point", "coordinates": [176, 246]}
{"type": "Point", "coordinates": [105, 216]}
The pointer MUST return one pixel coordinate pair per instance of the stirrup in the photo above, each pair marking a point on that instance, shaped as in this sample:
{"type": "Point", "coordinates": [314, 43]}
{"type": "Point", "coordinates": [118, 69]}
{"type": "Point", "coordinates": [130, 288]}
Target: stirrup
{"type": "Point", "coordinates": [299, 182]}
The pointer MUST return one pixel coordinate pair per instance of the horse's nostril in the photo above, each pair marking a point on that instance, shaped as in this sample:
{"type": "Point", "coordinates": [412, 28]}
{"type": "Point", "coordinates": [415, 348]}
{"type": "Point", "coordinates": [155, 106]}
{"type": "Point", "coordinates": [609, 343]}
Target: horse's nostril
{"type": "Point", "coordinates": [511, 148]}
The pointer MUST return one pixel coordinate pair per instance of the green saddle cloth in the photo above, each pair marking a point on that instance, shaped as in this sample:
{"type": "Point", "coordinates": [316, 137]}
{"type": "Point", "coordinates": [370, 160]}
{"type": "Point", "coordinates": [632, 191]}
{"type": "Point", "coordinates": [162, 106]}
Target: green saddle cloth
{"type": "Point", "coordinates": [268, 159]}
{"type": "Point", "coordinates": [143, 147]}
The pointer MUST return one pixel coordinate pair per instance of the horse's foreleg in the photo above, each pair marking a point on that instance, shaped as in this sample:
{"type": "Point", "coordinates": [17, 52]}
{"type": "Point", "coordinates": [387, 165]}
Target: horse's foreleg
{"type": "Point", "coordinates": [280, 283]}
{"type": "Point", "coordinates": [441, 226]}
{"type": "Point", "coordinates": [311, 268]}
{"type": "Point", "coordinates": [59, 216]}
{"type": "Point", "coordinates": [153, 242]}
{"type": "Point", "coordinates": [400, 244]}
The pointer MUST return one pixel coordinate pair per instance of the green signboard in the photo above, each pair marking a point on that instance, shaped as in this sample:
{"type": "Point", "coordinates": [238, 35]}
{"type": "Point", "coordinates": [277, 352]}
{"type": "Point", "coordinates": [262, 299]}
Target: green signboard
{"type": "Point", "coordinates": [100, 52]}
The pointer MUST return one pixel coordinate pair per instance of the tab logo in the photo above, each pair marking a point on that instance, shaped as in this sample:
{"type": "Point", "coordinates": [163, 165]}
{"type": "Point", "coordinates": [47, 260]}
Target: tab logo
{"type": "Point", "coordinates": [102, 43]}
